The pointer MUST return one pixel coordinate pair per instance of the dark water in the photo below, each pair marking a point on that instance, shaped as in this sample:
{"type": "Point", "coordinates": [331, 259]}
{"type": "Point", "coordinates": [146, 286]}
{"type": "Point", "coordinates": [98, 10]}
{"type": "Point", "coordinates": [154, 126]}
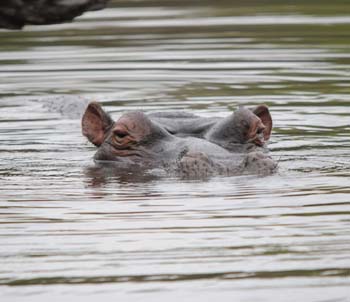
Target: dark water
{"type": "Point", "coordinates": [72, 231]}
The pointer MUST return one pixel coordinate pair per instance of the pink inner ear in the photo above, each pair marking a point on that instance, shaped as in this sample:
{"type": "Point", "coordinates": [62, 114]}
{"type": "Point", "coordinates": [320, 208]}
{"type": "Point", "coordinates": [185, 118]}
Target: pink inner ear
{"type": "Point", "coordinates": [94, 123]}
{"type": "Point", "coordinates": [262, 111]}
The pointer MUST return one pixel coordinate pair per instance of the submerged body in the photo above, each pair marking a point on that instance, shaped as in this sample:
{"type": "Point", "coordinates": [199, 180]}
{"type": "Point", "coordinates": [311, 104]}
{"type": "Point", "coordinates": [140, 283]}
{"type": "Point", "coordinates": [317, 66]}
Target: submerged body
{"type": "Point", "coordinates": [198, 148]}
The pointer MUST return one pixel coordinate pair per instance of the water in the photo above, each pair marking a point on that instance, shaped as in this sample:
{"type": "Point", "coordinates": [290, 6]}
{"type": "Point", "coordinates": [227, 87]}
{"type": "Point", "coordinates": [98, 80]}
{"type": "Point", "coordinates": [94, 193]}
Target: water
{"type": "Point", "coordinates": [70, 230]}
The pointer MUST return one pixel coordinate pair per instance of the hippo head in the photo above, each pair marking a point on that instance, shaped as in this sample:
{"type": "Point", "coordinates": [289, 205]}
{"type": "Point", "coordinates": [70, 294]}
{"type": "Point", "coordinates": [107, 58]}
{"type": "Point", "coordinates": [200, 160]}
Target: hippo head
{"type": "Point", "coordinates": [244, 126]}
{"type": "Point", "coordinates": [131, 139]}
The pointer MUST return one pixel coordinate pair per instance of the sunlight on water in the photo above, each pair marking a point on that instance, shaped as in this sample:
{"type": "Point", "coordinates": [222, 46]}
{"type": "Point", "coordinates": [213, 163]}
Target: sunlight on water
{"type": "Point", "coordinates": [72, 229]}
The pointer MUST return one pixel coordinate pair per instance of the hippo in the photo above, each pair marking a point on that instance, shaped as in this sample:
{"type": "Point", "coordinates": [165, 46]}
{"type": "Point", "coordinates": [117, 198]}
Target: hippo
{"type": "Point", "coordinates": [139, 141]}
{"type": "Point", "coordinates": [242, 130]}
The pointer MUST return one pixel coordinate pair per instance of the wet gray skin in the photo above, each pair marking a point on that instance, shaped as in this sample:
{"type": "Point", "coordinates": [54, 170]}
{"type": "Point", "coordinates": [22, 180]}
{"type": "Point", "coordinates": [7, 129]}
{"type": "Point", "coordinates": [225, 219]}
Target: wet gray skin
{"type": "Point", "coordinates": [241, 131]}
{"type": "Point", "coordinates": [135, 141]}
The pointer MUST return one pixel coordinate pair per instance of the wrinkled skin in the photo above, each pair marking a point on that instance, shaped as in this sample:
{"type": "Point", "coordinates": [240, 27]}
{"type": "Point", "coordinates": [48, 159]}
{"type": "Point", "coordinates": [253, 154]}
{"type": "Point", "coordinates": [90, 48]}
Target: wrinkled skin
{"type": "Point", "coordinates": [196, 148]}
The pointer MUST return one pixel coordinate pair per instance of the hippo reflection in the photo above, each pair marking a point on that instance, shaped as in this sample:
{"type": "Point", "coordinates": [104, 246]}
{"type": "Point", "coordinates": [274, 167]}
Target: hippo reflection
{"type": "Point", "coordinates": [182, 143]}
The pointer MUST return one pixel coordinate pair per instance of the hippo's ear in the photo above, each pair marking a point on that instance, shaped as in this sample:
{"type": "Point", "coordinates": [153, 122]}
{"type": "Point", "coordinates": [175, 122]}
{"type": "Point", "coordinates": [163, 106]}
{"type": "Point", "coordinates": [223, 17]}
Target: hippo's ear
{"type": "Point", "coordinates": [95, 123]}
{"type": "Point", "coordinates": [262, 111]}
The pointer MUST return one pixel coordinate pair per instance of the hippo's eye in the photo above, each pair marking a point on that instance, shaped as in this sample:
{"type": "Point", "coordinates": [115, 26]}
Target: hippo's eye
{"type": "Point", "coordinates": [120, 134]}
{"type": "Point", "coordinates": [260, 130]}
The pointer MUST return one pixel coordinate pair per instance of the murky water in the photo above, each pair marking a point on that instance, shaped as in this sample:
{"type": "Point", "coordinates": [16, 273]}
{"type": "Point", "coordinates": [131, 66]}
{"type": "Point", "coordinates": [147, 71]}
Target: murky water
{"type": "Point", "coordinates": [69, 229]}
